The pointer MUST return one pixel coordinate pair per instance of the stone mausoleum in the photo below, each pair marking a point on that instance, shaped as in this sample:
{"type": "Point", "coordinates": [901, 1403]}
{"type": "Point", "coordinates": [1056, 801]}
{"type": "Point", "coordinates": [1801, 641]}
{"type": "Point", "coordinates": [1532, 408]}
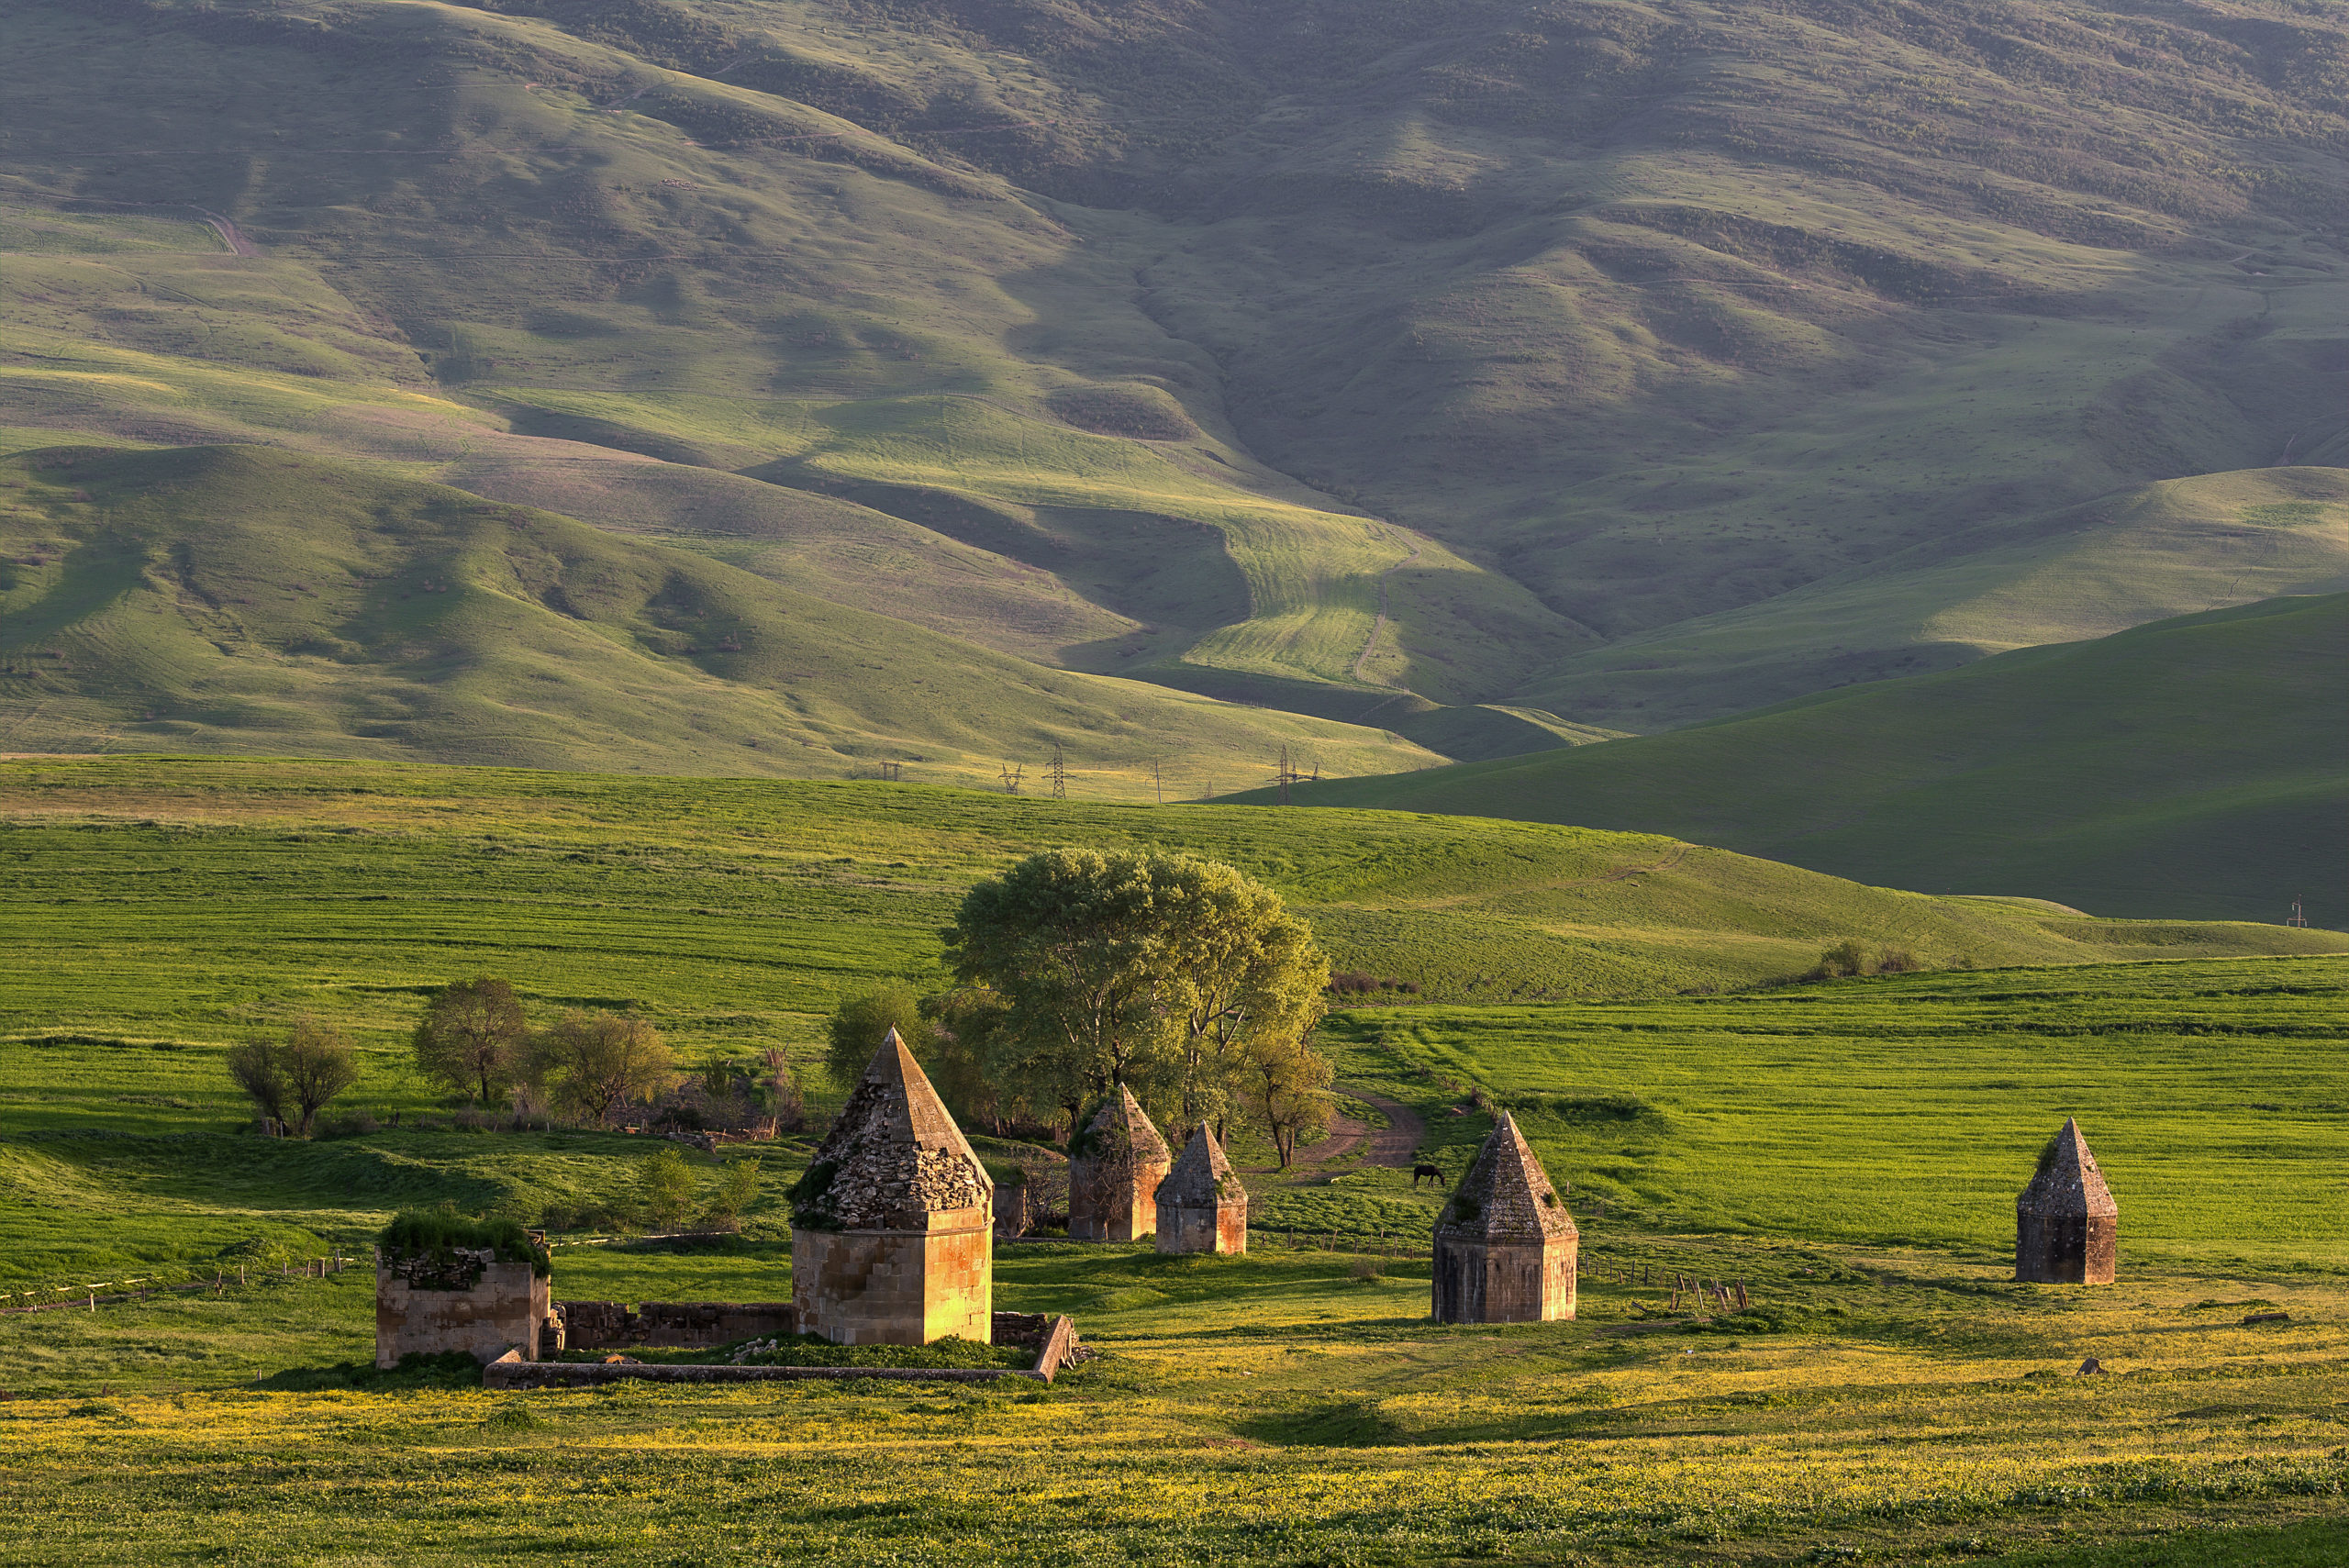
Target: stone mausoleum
{"type": "Point", "coordinates": [2067, 1228]}
{"type": "Point", "coordinates": [1114, 1169]}
{"type": "Point", "coordinates": [892, 1238]}
{"type": "Point", "coordinates": [1504, 1246]}
{"type": "Point", "coordinates": [462, 1299]}
{"type": "Point", "coordinates": [1202, 1207]}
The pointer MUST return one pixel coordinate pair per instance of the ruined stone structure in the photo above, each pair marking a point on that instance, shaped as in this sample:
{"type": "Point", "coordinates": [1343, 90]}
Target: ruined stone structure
{"type": "Point", "coordinates": [1115, 1167]}
{"type": "Point", "coordinates": [1505, 1245]}
{"type": "Point", "coordinates": [1202, 1207]}
{"type": "Point", "coordinates": [1013, 1214]}
{"type": "Point", "coordinates": [2067, 1228]}
{"type": "Point", "coordinates": [891, 1229]}
{"type": "Point", "coordinates": [467, 1301]}
{"type": "Point", "coordinates": [601, 1325]}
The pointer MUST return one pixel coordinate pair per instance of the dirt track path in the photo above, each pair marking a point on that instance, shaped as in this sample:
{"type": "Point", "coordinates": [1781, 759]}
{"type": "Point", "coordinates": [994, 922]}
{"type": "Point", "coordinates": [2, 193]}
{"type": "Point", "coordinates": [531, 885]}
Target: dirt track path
{"type": "Point", "coordinates": [1396, 1145]}
{"type": "Point", "coordinates": [231, 235]}
{"type": "Point", "coordinates": [1379, 625]}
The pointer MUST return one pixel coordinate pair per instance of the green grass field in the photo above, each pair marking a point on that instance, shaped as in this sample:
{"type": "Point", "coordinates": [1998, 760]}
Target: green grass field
{"type": "Point", "coordinates": [1849, 1149]}
{"type": "Point", "coordinates": [2194, 765]}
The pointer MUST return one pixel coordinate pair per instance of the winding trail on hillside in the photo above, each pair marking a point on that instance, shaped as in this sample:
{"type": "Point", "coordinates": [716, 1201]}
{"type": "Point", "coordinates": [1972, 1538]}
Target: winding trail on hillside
{"type": "Point", "coordinates": [231, 235]}
{"type": "Point", "coordinates": [1371, 646]}
{"type": "Point", "coordinates": [1396, 1145]}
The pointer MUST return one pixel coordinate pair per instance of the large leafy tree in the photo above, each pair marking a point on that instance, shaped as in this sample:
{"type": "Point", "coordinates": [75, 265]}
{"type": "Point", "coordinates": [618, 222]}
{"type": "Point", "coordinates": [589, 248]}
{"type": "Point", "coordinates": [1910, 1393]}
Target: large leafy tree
{"type": "Point", "coordinates": [1151, 970]}
{"type": "Point", "coordinates": [863, 1019]}
{"type": "Point", "coordinates": [473, 1037]}
{"type": "Point", "coordinates": [1073, 942]}
{"type": "Point", "coordinates": [1244, 970]}
{"type": "Point", "coordinates": [599, 1062]}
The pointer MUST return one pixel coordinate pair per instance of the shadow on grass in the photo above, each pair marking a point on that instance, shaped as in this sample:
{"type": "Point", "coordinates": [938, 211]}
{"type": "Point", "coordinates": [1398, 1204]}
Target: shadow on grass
{"type": "Point", "coordinates": [450, 1369]}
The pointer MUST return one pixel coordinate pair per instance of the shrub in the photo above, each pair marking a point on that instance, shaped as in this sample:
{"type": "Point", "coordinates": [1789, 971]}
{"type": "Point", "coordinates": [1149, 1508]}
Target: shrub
{"type": "Point", "coordinates": [863, 1020]}
{"type": "Point", "coordinates": [668, 1184]}
{"type": "Point", "coordinates": [738, 1188]}
{"type": "Point", "coordinates": [953, 1350]}
{"type": "Point", "coordinates": [1845, 958]}
{"type": "Point", "coordinates": [441, 1232]}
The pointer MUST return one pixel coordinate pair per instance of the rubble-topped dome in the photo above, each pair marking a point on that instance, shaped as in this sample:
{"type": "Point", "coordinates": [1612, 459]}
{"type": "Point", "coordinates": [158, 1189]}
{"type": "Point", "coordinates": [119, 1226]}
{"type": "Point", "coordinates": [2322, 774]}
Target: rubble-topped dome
{"type": "Point", "coordinates": [1120, 1135]}
{"type": "Point", "coordinates": [1202, 1178]}
{"type": "Point", "coordinates": [893, 1157]}
{"type": "Point", "coordinates": [1506, 1195]}
{"type": "Point", "coordinates": [2068, 1184]}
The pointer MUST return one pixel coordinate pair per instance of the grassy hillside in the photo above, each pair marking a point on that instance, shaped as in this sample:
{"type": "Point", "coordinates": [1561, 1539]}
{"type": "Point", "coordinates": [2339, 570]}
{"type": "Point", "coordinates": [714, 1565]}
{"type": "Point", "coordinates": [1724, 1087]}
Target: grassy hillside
{"type": "Point", "coordinates": [1629, 365]}
{"type": "Point", "coordinates": [2196, 765]}
{"type": "Point", "coordinates": [183, 900]}
{"type": "Point", "coordinates": [236, 598]}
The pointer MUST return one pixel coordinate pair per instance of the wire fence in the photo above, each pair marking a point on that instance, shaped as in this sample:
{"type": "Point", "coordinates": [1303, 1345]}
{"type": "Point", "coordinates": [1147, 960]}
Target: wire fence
{"type": "Point", "coordinates": [93, 1294]}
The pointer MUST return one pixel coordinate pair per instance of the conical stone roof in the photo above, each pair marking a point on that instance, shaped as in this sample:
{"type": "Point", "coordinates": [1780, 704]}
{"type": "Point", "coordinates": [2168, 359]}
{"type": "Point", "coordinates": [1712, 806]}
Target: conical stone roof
{"type": "Point", "coordinates": [2068, 1186]}
{"type": "Point", "coordinates": [1506, 1195]}
{"type": "Point", "coordinates": [1202, 1178]}
{"type": "Point", "coordinates": [1120, 1135]}
{"type": "Point", "coordinates": [894, 1157]}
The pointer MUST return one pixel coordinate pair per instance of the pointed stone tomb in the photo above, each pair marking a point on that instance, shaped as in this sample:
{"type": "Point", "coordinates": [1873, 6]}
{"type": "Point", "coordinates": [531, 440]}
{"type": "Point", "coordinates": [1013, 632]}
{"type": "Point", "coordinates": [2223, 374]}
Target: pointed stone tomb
{"type": "Point", "coordinates": [891, 1238]}
{"type": "Point", "coordinates": [1202, 1207]}
{"type": "Point", "coordinates": [1504, 1246]}
{"type": "Point", "coordinates": [1115, 1167]}
{"type": "Point", "coordinates": [2067, 1228]}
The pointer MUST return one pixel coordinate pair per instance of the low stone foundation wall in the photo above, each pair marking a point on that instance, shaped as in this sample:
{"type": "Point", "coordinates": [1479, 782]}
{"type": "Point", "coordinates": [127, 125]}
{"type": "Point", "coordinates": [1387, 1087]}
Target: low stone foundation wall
{"type": "Point", "coordinates": [601, 1325]}
{"type": "Point", "coordinates": [1055, 1338]}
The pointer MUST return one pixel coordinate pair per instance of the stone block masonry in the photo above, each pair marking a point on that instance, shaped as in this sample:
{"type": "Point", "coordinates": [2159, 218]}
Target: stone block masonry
{"type": "Point", "coordinates": [1114, 1172]}
{"type": "Point", "coordinates": [2067, 1227]}
{"type": "Point", "coordinates": [602, 1325]}
{"type": "Point", "coordinates": [902, 1286]}
{"type": "Point", "coordinates": [478, 1305]}
{"type": "Point", "coordinates": [1202, 1207]}
{"type": "Point", "coordinates": [1505, 1249]}
{"type": "Point", "coordinates": [893, 1227]}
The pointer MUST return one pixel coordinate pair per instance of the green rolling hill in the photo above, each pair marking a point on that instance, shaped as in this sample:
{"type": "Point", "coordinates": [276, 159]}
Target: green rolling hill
{"type": "Point", "coordinates": [2198, 765]}
{"type": "Point", "coordinates": [1501, 375]}
{"type": "Point", "coordinates": [250, 599]}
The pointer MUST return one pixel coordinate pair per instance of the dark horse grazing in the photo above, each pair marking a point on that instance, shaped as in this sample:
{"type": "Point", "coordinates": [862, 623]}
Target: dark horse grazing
{"type": "Point", "coordinates": [1432, 1172]}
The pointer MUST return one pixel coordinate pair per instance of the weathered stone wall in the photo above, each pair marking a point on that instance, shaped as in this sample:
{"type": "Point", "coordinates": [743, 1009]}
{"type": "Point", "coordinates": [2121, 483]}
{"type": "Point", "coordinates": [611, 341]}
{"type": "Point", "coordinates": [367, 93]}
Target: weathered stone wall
{"type": "Point", "coordinates": [899, 1286]}
{"type": "Point", "coordinates": [1504, 1281]}
{"type": "Point", "coordinates": [1114, 1199]}
{"type": "Point", "coordinates": [594, 1325]}
{"type": "Point", "coordinates": [504, 1307]}
{"type": "Point", "coordinates": [1012, 1213]}
{"type": "Point", "coordinates": [1222, 1229]}
{"type": "Point", "coordinates": [2066, 1248]}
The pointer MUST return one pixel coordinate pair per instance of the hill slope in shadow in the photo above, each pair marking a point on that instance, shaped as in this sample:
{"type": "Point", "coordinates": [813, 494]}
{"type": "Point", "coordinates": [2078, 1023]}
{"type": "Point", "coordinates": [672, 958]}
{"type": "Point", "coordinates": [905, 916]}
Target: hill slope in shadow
{"type": "Point", "coordinates": [2195, 766]}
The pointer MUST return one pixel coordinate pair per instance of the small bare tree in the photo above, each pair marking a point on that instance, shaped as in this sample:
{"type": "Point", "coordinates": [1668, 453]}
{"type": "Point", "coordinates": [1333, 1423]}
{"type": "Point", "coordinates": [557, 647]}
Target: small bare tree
{"type": "Point", "coordinates": [254, 1064]}
{"type": "Point", "coordinates": [1286, 1088]}
{"type": "Point", "coordinates": [317, 1063]}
